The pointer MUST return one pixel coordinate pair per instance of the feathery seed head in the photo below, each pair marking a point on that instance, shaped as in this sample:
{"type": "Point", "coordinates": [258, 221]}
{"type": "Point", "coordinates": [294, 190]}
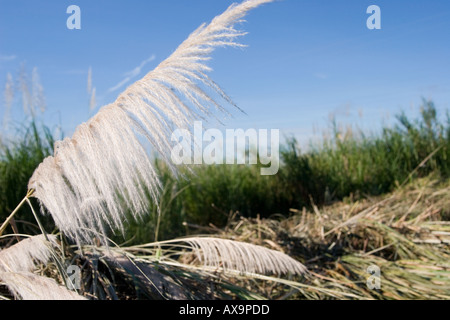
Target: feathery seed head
{"type": "Point", "coordinates": [106, 159]}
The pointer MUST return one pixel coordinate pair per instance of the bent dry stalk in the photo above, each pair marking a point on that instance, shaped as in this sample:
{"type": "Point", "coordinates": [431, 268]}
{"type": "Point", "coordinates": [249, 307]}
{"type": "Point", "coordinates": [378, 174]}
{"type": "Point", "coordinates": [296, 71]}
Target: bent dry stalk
{"type": "Point", "coordinates": [11, 216]}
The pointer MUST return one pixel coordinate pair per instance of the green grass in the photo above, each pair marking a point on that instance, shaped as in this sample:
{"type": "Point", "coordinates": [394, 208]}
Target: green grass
{"type": "Point", "coordinates": [348, 165]}
{"type": "Point", "coordinates": [352, 201]}
{"type": "Point", "coordinates": [18, 160]}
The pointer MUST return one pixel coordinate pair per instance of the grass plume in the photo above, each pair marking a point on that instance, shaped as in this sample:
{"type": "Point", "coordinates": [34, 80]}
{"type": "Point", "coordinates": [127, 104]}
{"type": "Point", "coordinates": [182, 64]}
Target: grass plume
{"type": "Point", "coordinates": [105, 160]}
{"type": "Point", "coordinates": [29, 286]}
{"type": "Point", "coordinates": [24, 255]}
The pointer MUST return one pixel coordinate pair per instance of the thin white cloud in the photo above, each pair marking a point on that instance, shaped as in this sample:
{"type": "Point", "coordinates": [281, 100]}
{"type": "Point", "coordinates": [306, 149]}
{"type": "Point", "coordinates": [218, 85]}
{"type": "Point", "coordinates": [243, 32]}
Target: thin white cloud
{"type": "Point", "coordinates": [7, 58]}
{"type": "Point", "coordinates": [131, 74]}
{"type": "Point", "coordinates": [74, 72]}
{"type": "Point", "coordinates": [120, 84]}
{"type": "Point", "coordinates": [319, 75]}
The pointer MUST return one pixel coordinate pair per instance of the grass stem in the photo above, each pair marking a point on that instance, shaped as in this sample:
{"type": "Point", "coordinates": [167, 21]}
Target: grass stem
{"type": "Point", "coordinates": [8, 220]}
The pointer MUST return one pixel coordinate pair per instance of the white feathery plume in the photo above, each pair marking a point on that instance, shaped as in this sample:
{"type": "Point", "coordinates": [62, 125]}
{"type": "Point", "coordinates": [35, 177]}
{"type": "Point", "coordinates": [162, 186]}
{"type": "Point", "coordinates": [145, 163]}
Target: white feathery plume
{"type": "Point", "coordinates": [9, 90]}
{"type": "Point", "coordinates": [24, 255]}
{"type": "Point", "coordinates": [29, 286]}
{"type": "Point", "coordinates": [37, 92]}
{"type": "Point", "coordinates": [91, 91]}
{"type": "Point", "coordinates": [105, 166]}
{"type": "Point", "coordinates": [9, 97]}
{"type": "Point", "coordinates": [25, 90]}
{"type": "Point", "coordinates": [241, 256]}
{"type": "Point", "coordinates": [89, 81]}
{"type": "Point", "coordinates": [92, 101]}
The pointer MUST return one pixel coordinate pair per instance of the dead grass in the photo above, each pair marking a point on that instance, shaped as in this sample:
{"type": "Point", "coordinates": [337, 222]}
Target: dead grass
{"type": "Point", "coordinates": [406, 234]}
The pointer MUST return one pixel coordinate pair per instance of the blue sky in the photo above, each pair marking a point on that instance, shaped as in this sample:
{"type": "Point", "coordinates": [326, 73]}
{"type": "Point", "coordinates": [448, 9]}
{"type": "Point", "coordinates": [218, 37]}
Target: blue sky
{"type": "Point", "coordinates": [305, 59]}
